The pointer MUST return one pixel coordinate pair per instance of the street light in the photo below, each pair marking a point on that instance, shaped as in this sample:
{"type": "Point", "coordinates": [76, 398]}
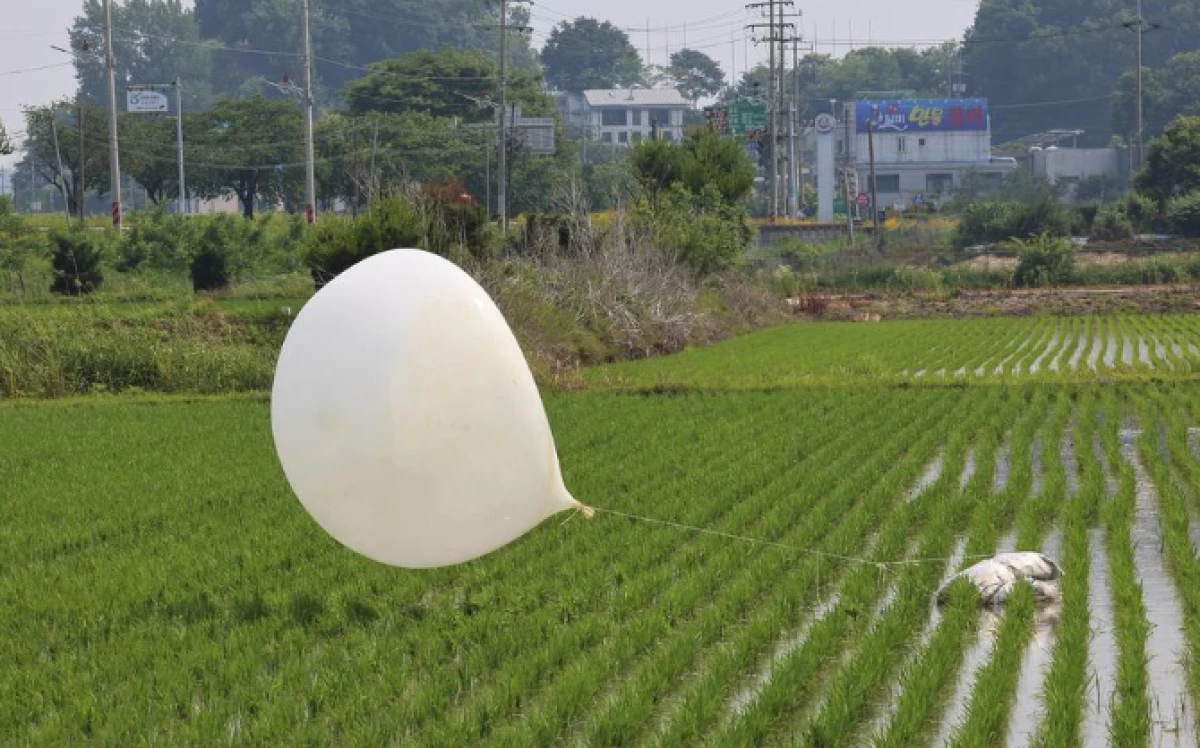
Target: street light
{"type": "Point", "coordinates": [85, 50]}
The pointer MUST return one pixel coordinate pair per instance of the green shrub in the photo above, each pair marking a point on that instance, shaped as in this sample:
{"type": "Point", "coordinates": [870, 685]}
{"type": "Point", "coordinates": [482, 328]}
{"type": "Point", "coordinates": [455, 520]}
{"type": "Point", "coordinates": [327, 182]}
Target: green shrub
{"type": "Point", "coordinates": [210, 271]}
{"type": "Point", "coordinates": [1183, 215]}
{"type": "Point", "coordinates": [1043, 261]}
{"type": "Point", "coordinates": [336, 244]}
{"type": "Point", "coordinates": [77, 260]}
{"type": "Point", "coordinates": [1083, 218]}
{"type": "Point", "coordinates": [992, 222]}
{"type": "Point", "coordinates": [701, 231]}
{"type": "Point", "coordinates": [1112, 223]}
{"type": "Point", "coordinates": [1142, 213]}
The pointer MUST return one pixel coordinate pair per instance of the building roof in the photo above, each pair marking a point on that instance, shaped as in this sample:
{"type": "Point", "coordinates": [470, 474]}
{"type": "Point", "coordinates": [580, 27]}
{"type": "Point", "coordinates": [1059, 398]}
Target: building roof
{"type": "Point", "coordinates": [664, 97]}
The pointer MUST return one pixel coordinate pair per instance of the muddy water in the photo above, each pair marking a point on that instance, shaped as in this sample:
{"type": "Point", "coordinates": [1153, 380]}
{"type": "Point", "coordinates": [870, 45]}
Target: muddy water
{"type": "Point", "coordinates": [976, 657]}
{"type": "Point", "coordinates": [1094, 354]}
{"type": "Point", "coordinates": [1110, 351]}
{"type": "Point", "coordinates": [1003, 468]}
{"type": "Point", "coordinates": [1102, 648]}
{"type": "Point", "coordinates": [969, 468]}
{"type": "Point", "coordinates": [1193, 439]}
{"type": "Point", "coordinates": [929, 476]}
{"type": "Point", "coordinates": [1050, 347]}
{"type": "Point", "coordinates": [1035, 466]}
{"type": "Point", "coordinates": [1004, 361]}
{"type": "Point", "coordinates": [1080, 348]}
{"type": "Point", "coordinates": [1144, 352]}
{"type": "Point", "coordinates": [1027, 712]}
{"type": "Point", "coordinates": [1173, 718]}
{"type": "Point", "coordinates": [1126, 349]}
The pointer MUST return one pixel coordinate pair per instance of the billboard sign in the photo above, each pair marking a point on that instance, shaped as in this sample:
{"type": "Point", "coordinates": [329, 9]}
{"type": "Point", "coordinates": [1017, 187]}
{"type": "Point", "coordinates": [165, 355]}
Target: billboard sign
{"type": "Point", "coordinates": [146, 101]}
{"type": "Point", "coordinates": [923, 115]}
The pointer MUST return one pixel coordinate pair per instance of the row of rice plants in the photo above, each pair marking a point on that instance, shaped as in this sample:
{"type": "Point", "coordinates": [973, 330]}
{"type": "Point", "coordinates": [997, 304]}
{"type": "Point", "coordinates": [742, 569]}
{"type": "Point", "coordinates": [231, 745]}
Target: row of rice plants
{"type": "Point", "coordinates": [1165, 452]}
{"type": "Point", "coordinates": [1129, 720]}
{"type": "Point", "coordinates": [1066, 684]}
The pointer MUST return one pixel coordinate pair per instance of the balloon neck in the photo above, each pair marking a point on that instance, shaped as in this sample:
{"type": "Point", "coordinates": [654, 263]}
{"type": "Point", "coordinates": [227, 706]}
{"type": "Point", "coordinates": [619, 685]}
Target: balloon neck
{"type": "Point", "coordinates": [570, 502]}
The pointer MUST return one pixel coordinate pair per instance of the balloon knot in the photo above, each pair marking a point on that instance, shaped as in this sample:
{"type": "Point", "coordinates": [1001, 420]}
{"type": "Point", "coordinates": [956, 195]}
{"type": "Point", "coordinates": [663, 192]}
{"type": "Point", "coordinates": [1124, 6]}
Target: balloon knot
{"type": "Point", "coordinates": [585, 510]}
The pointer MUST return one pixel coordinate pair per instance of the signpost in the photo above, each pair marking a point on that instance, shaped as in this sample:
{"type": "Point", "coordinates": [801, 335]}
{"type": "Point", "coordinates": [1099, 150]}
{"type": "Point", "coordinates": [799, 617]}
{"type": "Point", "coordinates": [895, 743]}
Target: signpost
{"type": "Point", "coordinates": [863, 201]}
{"type": "Point", "coordinates": [148, 98]}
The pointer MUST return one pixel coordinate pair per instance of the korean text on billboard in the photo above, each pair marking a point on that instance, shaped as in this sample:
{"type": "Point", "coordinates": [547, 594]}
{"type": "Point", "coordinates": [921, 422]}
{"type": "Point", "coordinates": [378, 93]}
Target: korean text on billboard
{"type": "Point", "coordinates": [923, 115]}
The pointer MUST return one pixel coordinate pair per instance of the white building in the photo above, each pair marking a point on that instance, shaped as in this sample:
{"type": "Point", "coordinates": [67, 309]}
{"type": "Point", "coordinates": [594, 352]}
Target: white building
{"type": "Point", "coordinates": [922, 147]}
{"type": "Point", "coordinates": [623, 115]}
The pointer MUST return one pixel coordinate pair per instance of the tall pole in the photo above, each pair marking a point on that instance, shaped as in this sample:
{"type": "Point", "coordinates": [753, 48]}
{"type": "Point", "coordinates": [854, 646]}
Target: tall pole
{"type": "Point", "coordinates": [62, 174]}
{"type": "Point", "coordinates": [114, 164]}
{"type": "Point", "coordinates": [874, 187]}
{"type": "Point", "coordinates": [797, 146]}
{"type": "Point", "coordinates": [502, 136]}
{"type": "Point", "coordinates": [374, 152]}
{"type": "Point", "coordinates": [1138, 150]}
{"type": "Point", "coordinates": [773, 132]}
{"type": "Point", "coordinates": [183, 204]}
{"type": "Point", "coordinates": [82, 171]}
{"type": "Point", "coordinates": [310, 174]}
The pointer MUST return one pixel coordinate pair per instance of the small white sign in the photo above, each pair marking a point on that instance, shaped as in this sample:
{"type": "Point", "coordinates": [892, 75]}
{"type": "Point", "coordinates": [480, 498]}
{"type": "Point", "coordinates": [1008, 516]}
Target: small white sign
{"type": "Point", "coordinates": [147, 101]}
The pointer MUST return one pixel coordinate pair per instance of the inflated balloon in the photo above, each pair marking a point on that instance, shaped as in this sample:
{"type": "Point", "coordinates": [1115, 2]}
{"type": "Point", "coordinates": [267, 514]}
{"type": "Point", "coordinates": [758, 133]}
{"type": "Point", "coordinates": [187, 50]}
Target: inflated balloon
{"type": "Point", "coordinates": [407, 420]}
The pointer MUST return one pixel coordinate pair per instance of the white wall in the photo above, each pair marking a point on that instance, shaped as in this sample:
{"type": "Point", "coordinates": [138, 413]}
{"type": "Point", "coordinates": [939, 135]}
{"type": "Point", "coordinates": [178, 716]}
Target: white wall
{"type": "Point", "coordinates": [939, 147]}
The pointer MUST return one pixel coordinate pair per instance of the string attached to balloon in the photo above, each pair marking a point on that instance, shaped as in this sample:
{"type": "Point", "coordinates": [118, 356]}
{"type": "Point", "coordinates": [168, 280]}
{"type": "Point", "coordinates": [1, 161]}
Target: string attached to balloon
{"type": "Point", "coordinates": [772, 543]}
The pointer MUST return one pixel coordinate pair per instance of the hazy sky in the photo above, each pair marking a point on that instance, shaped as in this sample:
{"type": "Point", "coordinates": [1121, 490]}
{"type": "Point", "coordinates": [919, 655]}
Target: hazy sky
{"type": "Point", "coordinates": [714, 26]}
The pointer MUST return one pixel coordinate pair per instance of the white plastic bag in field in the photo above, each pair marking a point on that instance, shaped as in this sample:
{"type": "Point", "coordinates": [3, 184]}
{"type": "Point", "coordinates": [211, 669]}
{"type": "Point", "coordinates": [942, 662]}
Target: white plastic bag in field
{"type": "Point", "coordinates": [407, 420]}
{"type": "Point", "coordinates": [995, 577]}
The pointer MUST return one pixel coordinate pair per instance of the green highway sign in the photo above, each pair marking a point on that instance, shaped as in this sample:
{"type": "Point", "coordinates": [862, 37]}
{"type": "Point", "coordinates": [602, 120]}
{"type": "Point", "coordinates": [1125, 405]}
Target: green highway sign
{"type": "Point", "coordinates": [746, 116]}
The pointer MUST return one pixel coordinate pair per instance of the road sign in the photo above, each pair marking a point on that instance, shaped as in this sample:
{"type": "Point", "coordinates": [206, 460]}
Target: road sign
{"type": "Point", "coordinates": [825, 123]}
{"type": "Point", "coordinates": [745, 115]}
{"type": "Point", "coordinates": [863, 200]}
{"type": "Point", "coordinates": [146, 101]}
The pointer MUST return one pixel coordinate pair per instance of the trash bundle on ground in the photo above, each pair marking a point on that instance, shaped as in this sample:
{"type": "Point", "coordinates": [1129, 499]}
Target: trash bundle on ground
{"type": "Point", "coordinates": [996, 577]}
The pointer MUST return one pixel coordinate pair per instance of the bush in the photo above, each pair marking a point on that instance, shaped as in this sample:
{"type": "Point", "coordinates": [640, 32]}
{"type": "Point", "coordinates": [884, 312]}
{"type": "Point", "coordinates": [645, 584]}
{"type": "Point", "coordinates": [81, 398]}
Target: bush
{"type": "Point", "coordinates": [1183, 215]}
{"type": "Point", "coordinates": [210, 270]}
{"type": "Point", "coordinates": [1111, 223]}
{"type": "Point", "coordinates": [701, 231]}
{"type": "Point", "coordinates": [77, 260]}
{"type": "Point", "coordinates": [1142, 213]}
{"type": "Point", "coordinates": [992, 222]}
{"type": "Point", "coordinates": [1044, 261]}
{"type": "Point", "coordinates": [337, 244]}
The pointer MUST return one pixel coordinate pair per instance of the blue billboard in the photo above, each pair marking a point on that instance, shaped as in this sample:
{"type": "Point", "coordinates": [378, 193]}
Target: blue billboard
{"type": "Point", "coordinates": [923, 115]}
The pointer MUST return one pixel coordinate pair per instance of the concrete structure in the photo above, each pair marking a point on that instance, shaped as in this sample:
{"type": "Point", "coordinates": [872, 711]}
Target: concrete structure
{"type": "Point", "coordinates": [923, 148]}
{"type": "Point", "coordinates": [623, 115]}
{"type": "Point", "coordinates": [1073, 164]}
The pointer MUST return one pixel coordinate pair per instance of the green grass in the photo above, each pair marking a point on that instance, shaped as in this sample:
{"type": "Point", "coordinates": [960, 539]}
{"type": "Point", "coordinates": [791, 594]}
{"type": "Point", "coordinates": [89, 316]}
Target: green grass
{"type": "Point", "coordinates": [162, 585]}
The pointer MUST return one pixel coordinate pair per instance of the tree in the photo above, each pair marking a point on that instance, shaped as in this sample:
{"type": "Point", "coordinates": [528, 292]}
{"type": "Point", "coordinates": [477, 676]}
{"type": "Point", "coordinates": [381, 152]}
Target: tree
{"type": "Point", "coordinates": [447, 83]}
{"type": "Point", "coordinates": [347, 34]}
{"type": "Point", "coordinates": [5, 145]}
{"type": "Point", "coordinates": [250, 147]}
{"type": "Point", "coordinates": [156, 41]}
{"type": "Point", "coordinates": [1172, 162]}
{"type": "Point", "coordinates": [703, 160]}
{"type": "Point", "coordinates": [41, 124]}
{"type": "Point", "coordinates": [1171, 90]}
{"type": "Point", "coordinates": [586, 53]}
{"type": "Point", "coordinates": [697, 75]}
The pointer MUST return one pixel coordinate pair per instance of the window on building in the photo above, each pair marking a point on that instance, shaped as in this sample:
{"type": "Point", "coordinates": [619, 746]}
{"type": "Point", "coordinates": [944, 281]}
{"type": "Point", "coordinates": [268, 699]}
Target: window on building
{"type": "Point", "coordinates": [614, 117]}
{"type": "Point", "coordinates": [921, 142]}
{"type": "Point", "coordinates": [668, 136]}
{"type": "Point", "coordinates": [939, 184]}
{"type": "Point", "coordinates": [637, 137]}
{"type": "Point", "coordinates": [901, 144]}
{"type": "Point", "coordinates": [660, 117]}
{"type": "Point", "coordinates": [606, 137]}
{"type": "Point", "coordinates": [622, 137]}
{"type": "Point", "coordinates": [888, 184]}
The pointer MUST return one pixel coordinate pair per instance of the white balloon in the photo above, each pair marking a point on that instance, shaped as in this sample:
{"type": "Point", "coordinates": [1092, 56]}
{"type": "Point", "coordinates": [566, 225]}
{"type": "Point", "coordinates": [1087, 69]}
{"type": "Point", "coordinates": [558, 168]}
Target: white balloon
{"type": "Point", "coordinates": [407, 420]}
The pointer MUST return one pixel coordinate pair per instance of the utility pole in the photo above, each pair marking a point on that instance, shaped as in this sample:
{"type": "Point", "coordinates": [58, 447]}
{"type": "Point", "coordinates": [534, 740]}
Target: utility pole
{"type": "Point", "coordinates": [374, 174]}
{"type": "Point", "coordinates": [774, 36]}
{"type": "Point", "coordinates": [310, 175]}
{"type": "Point", "coordinates": [183, 203]}
{"type": "Point", "coordinates": [1140, 26]}
{"type": "Point", "coordinates": [874, 187]}
{"type": "Point", "coordinates": [502, 129]}
{"type": "Point", "coordinates": [113, 146]}
{"type": "Point", "coordinates": [82, 171]}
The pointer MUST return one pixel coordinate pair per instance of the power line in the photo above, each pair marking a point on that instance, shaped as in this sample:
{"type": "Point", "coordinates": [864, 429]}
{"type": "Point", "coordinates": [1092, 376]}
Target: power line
{"type": "Point", "coordinates": [20, 71]}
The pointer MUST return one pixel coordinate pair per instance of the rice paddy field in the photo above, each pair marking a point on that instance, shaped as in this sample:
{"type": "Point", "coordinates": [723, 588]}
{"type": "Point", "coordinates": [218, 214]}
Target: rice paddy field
{"type": "Point", "coordinates": [811, 488]}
